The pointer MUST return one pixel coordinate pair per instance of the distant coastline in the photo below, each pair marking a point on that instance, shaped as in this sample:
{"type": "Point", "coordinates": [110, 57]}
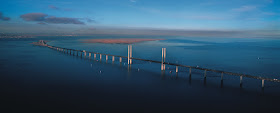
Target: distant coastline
{"type": "Point", "coordinates": [14, 36]}
{"type": "Point", "coordinates": [119, 41]}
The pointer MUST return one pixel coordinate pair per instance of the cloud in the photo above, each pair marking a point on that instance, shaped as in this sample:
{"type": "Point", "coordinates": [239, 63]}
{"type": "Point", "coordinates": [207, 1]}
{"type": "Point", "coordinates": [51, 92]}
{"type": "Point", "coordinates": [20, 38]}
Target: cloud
{"type": "Point", "coordinates": [54, 7]}
{"type": "Point", "coordinates": [91, 28]}
{"type": "Point", "coordinates": [34, 17]}
{"type": "Point", "coordinates": [44, 18]}
{"type": "Point", "coordinates": [63, 20]}
{"type": "Point", "coordinates": [57, 8]}
{"type": "Point", "coordinates": [245, 8]}
{"type": "Point", "coordinates": [4, 18]}
{"type": "Point", "coordinates": [42, 23]}
{"type": "Point", "coordinates": [90, 20]}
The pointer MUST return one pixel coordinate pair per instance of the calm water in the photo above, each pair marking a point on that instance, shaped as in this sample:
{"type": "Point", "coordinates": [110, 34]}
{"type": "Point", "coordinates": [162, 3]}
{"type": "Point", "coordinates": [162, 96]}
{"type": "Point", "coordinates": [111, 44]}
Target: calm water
{"type": "Point", "coordinates": [38, 79]}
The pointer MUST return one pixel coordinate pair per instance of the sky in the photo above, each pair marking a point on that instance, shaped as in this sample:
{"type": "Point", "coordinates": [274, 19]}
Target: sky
{"type": "Point", "coordinates": [92, 16]}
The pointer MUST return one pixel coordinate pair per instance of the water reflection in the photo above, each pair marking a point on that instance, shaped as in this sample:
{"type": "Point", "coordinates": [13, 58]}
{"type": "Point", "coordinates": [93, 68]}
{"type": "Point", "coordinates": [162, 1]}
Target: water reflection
{"type": "Point", "coordinates": [204, 81]}
{"type": "Point", "coordinates": [162, 74]}
{"type": "Point", "coordinates": [128, 71]}
{"type": "Point", "coordinates": [222, 83]}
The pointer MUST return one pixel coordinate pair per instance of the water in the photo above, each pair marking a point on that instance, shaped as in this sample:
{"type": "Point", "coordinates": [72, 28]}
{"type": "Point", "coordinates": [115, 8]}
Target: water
{"type": "Point", "coordinates": [38, 79]}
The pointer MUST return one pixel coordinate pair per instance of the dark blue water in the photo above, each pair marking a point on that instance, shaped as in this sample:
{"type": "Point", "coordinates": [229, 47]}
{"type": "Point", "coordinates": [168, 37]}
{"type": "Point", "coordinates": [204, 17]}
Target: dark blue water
{"type": "Point", "coordinates": [39, 79]}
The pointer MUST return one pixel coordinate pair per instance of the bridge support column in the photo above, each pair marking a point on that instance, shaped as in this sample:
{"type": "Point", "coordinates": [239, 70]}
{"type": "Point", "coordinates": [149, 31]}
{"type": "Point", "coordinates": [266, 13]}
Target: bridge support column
{"type": "Point", "coordinates": [163, 55]}
{"type": "Point", "coordinates": [94, 56]}
{"type": "Point", "coordinates": [241, 77]}
{"type": "Point", "coordinates": [89, 55]}
{"type": "Point", "coordinates": [262, 83]}
{"type": "Point", "coordinates": [100, 57]}
{"type": "Point", "coordinates": [120, 59]}
{"type": "Point", "coordinates": [129, 60]}
{"type": "Point", "coordinates": [113, 58]}
{"type": "Point", "coordinates": [130, 54]}
{"type": "Point", "coordinates": [85, 53]}
{"type": "Point", "coordinates": [176, 69]}
{"type": "Point", "coordinates": [106, 58]}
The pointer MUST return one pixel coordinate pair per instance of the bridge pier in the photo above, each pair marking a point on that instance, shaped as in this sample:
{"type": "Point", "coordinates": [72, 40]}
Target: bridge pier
{"type": "Point", "coordinates": [129, 60]}
{"type": "Point", "coordinates": [94, 56]}
{"type": "Point", "coordinates": [120, 59]}
{"type": "Point", "coordinates": [241, 81]}
{"type": "Point", "coordinates": [100, 57]}
{"type": "Point", "coordinates": [176, 69]}
{"type": "Point", "coordinates": [85, 53]}
{"type": "Point", "coordinates": [89, 55]}
{"type": "Point", "coordinates": [163, 56]}
{"type": "Point", "coordinates": [113, 58]}
{"type": "Point", "coordinates": [106, 58]}
{"type": "Point", "coordinates": [130, 54]}
{"type": "Point", "coordinates": [262, 83]}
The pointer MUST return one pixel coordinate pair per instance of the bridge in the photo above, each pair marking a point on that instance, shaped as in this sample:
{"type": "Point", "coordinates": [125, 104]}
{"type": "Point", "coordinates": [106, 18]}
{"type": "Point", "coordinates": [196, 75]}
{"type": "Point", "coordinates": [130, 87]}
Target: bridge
{"type": "Point", "coordinates": [88, 54]}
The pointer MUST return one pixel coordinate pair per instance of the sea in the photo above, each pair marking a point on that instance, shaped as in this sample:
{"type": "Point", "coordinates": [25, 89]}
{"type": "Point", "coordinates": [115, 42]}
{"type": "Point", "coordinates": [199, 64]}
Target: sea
{"type": "Point", "coordinates": [39, 79]}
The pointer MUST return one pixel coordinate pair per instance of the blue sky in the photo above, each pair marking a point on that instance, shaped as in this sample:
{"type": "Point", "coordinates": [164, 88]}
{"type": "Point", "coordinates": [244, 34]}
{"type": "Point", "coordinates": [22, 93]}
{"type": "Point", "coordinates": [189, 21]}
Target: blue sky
{"type": "Point", "coordinates": [73, 15]}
